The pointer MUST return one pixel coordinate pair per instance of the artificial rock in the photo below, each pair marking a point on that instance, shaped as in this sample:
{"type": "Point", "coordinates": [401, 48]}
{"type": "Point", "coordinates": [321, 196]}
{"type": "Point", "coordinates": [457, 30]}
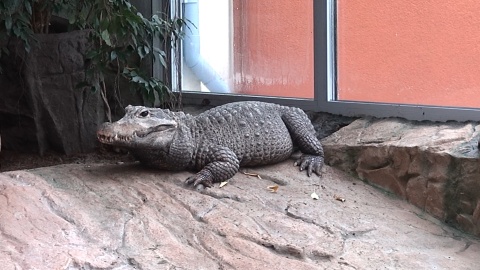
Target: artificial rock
{"type": "Point", "coordinates": [434, 166]}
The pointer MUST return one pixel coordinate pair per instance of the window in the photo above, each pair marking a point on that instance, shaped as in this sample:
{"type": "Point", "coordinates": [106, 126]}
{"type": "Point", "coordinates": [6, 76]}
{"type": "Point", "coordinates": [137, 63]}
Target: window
{"type": "Point", "coordinates": [249, 49]}
{"type": "Point", "coordinates": [410, 59]}
{"type": "Point", "coordinates": [379, 58]}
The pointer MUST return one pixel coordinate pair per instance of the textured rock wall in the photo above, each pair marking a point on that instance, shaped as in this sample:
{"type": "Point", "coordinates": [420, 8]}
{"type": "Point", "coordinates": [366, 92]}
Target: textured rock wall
{"type": "Point", "coordinates": [434, 166]}
{"type": "Point", "coordinates": [40, 106]}
{"type": "Point", "coordinates": [128, 217]}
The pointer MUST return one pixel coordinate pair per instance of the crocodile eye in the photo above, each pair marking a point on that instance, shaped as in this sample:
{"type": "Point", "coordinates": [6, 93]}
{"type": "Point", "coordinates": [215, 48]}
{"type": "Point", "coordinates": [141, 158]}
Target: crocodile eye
{"type": "Point", "coordinates": [144, 114]}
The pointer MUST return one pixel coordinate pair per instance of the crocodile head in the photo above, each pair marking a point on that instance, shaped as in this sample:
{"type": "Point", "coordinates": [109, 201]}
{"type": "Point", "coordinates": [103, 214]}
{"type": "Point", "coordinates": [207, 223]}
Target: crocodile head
{"type": "Point", "coordinates": [141, 127]}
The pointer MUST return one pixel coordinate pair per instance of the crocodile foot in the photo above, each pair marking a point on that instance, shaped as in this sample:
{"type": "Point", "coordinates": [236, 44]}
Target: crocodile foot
{"type": "Point", "coordinates": [311, 163]}
{"type": "Point", "coordinates": [203, 177]}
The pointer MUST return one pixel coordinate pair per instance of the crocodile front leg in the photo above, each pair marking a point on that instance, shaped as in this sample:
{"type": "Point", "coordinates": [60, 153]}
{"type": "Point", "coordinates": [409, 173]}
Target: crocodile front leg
{"type": "Point", "coordinates": [219, 164]}
{"type": "Point", "coordinates": [303, 134]}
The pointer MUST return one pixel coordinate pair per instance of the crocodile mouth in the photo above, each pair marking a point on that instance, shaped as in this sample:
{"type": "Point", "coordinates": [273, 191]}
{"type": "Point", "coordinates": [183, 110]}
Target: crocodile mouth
{"type": "Point", "coordinates": [117, 137]}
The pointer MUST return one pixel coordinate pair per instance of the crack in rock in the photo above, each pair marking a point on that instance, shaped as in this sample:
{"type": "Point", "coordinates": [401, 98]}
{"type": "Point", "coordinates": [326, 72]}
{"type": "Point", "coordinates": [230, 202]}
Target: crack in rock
{"type": "Point", "coordinates": [307, 220]}
{"type": "Point", "coordinates": [196, 214]}
{"type": "Point", "coordinates": [285, 250]}
{"type": "Point", "coordinates": [355, 234]}
{"type": "Point", "coordinates": [56, 209]}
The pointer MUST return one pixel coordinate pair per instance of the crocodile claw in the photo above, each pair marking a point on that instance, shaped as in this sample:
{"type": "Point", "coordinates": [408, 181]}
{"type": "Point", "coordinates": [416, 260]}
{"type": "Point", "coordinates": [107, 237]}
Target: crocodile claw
{"type": "Point", "coordinates": [311, 163]}
{"type": "Point", "coordinates": [203, 178]}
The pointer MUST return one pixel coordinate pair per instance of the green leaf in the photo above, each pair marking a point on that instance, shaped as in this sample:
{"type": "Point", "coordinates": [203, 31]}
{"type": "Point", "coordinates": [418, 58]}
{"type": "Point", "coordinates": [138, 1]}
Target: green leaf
{"type": "Point", "coordinates": [27, 47]}
{"type": "Point", "coordinates": [113, 55]}
{"type": "Point", "coordinates": [153, 83]}
{"type": "Point", "coordinates": [151, 96]}
{"type": "Point", "coordinates": [106, 37]}
{"type": "Point", "coordinates": [138, 79]}
{"type": "Point", "coordinates": [140, 52]}
{"type": "Point", "coordinates": [28, 7]}
{"type": "Point", "coordinates": [161, 56]}
{"type": "Point", "coordinates": [8, 23]}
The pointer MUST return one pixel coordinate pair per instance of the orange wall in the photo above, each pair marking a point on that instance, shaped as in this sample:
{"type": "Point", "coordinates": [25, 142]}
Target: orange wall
{"type": "Point", "coordinates": [273, 47]}
{"type": "Point", "coordinates": [409, 51]}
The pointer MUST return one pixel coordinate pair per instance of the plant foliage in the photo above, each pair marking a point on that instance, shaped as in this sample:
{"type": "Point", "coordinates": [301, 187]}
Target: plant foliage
{"type": "Point", "coordinates": [23, 18]}
{"type": "Point", "coordinates": [122, 37]}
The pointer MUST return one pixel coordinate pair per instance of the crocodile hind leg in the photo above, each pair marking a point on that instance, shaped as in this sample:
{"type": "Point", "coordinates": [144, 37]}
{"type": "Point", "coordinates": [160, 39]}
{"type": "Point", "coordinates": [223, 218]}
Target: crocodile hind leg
{"type": "Point", "coordinates": [217, 164]}
{"type": "Point", "coordinates": [303, 135]}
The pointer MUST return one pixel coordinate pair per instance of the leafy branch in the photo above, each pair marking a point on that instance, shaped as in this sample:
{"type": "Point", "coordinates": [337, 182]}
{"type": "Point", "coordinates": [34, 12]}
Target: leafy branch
{"type": "Point", "coordinates": [121, 38]}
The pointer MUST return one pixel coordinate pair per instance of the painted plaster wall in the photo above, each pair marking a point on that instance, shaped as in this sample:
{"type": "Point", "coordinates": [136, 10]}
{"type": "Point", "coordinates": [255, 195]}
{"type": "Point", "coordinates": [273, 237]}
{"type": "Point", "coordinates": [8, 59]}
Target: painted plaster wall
{"type": "Point", "coordinates": [273, 47]}
{"type": "Point", "coordinates": [414, 52]}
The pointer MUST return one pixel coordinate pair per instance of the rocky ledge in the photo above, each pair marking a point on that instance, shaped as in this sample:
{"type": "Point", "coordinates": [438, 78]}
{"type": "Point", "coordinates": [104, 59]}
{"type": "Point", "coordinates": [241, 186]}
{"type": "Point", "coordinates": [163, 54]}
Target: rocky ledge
{"type": "Point", "coordinates": [434, 166]}
{"type": "Point", "coordinates": [128, 217]}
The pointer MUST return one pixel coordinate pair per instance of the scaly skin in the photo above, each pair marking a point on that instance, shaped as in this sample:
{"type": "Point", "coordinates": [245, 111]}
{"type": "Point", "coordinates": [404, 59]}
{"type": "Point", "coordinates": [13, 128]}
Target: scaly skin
{"type": "Point", "coordinates": [217, 142]}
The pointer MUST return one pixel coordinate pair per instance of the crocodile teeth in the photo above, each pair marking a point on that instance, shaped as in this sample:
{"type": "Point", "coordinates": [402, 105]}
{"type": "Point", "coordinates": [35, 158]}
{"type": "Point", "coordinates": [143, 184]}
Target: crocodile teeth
{"type": "Point", "coordinates": [117, 137]}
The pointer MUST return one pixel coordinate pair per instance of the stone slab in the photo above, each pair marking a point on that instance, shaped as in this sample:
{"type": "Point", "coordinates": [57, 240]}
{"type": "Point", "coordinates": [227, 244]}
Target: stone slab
{"type": "Point", "coordinates": [435, 166]}
{"type": "Point", "coordinates": [128, 217]}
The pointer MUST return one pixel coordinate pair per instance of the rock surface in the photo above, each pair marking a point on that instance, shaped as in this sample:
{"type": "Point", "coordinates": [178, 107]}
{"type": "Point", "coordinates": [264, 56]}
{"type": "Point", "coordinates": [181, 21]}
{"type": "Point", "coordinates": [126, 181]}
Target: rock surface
{"type": "Point", "coordinates": [128, 217]}
{"type": "Point", "coordinates": [40, 106]}
{"type": "Point", "coordinates": [434, 166]}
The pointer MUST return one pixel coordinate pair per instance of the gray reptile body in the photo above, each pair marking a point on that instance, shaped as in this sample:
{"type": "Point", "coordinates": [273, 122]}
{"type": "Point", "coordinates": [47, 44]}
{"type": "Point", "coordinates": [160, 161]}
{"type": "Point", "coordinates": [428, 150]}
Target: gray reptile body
{"type": "Point", "coordinates": [217, 142]}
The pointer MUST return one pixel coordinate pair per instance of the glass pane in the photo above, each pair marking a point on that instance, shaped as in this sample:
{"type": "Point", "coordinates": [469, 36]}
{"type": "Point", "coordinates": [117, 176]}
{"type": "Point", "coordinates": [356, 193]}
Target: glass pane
{"type": "Point", "coordinates": [410, 52]}
{"type": "Point", "coordinates": [249, 47]}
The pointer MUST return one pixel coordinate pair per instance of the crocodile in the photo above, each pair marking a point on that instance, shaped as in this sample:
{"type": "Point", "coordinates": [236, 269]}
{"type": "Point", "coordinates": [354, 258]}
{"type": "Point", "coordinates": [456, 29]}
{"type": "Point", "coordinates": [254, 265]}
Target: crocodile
{"type": "Point", "coordinates": [217, 142]}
